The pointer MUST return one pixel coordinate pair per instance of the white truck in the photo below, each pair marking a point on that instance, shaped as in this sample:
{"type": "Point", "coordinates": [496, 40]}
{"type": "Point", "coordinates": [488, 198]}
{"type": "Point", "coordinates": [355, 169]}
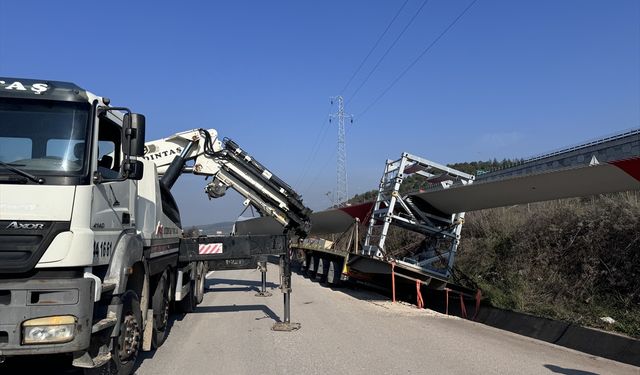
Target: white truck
{"type": "Point", "coordinates": [91, 248]}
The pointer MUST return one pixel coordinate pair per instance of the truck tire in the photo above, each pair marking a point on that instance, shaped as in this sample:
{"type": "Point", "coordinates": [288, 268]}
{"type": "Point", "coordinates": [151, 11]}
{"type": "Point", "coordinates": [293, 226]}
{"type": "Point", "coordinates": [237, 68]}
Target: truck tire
{"type": "Point", "coordinates": [323, 269]}
{"type": "Point", "coordinates": [125, 347]}
{"type": "Point", "coordinates": [314, 264]}
{"type": "Point", "coordinates": [201, 275]}
{"type": "Point", "coordinates": [196, 290]}
{"type": "Point", "coordinates": [160, 303]}
{"type": "Point", "coordinates": [335, 272]}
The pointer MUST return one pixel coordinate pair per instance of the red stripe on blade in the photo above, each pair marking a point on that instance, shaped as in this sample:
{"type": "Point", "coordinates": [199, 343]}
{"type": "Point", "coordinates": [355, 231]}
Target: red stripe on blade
{"type": "Point", "coordinates": [360, 211]}
{"type": "Point", "coordinates": [630, 166]}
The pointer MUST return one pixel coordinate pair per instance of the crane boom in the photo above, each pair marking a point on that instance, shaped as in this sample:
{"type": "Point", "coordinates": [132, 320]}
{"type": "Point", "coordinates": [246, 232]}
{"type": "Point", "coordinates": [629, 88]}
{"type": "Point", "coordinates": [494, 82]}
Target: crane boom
{"type": "Point", "coordinates": [201, 152]}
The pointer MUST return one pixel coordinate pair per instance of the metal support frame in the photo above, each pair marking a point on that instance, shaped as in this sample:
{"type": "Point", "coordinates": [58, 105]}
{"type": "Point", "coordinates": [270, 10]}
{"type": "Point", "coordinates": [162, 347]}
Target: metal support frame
{"type": "Point", "coordinates": [285, 286]}
{"type": "Point", "coordinates": [437, 252]}
{"type": "Point", "coordinates": [247, 252]}
{"type": "Point", "coordinates": [262, 266]}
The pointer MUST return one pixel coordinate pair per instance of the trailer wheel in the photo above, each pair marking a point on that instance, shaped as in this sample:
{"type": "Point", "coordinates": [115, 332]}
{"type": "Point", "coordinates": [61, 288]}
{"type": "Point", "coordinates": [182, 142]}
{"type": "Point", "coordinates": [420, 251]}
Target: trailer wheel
{"type": "Point", "coordinates": [314, 263]}
{"type": "Point", "coordinates": [323, 269]}
{"type": "Point", "coordinates": [160, 304]}
{"type": "Point", "coordinates": [335, 272]}
{"type": "Point", "coordinates": [125, 347]}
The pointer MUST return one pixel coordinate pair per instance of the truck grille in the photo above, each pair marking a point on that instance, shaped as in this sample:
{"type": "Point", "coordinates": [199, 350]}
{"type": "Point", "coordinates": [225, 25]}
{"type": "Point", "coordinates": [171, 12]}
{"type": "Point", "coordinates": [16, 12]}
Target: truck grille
{"type": "Point", "coordinates": [22, 243]}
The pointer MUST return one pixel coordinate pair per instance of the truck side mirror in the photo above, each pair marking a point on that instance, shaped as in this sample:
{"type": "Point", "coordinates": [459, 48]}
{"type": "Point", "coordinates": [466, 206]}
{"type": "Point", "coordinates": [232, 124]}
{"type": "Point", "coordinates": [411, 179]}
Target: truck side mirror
{"type": "Point", "coordinates": [133, 134]}
{"type": "Point", "coordinates": [133, 169]}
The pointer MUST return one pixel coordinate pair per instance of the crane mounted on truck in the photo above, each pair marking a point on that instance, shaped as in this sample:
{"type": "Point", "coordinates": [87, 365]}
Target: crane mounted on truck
{"type": "Point", "coordinates": [91, 247]}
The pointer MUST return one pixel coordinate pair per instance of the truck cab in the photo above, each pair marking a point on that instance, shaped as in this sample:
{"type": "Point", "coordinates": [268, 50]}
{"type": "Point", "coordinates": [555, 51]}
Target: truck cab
{"type": "Point", "coordinates": [69, 195]}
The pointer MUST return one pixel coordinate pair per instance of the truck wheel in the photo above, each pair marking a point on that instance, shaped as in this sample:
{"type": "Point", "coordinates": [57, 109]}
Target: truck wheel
{"type": "Point", "coordinates": [125, 347]}
{"type": "Point", "coordinates": [127, 344]}
{"type": "Point", "coordinates": [160, 304]}
{"type": "Point", "coordinates": [201, 275]}
{"type": "Point", "coordinates": [196, 290]}
{"type": "Point", "coordinates": [188, 302]}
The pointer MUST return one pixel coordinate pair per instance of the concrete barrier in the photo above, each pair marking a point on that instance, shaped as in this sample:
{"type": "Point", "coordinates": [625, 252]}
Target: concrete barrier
{"type": "Point", "coordinates": [528, 325]}
{"type": "Point", "coordinates": [588, 340]}
{"type": "Point", "coordinates": [603, 344]}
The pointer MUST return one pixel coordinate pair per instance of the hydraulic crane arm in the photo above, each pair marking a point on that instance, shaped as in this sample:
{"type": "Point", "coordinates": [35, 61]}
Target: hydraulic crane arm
{"type": "Point", "coordinates": [200, 152]}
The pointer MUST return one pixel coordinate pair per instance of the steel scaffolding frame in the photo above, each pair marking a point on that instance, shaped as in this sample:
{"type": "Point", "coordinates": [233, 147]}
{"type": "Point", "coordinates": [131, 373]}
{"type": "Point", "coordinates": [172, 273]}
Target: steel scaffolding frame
{"type": "Point", "coordinates": [436, 253]}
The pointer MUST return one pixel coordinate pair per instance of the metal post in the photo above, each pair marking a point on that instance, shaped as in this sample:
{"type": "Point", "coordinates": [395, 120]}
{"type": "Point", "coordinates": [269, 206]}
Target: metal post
{"type": "Point", "coordinates": [286, 286]}
{"type": "Point", "coordinates": [262, 266]}
{"type": "Point", "coordinates": [393, 282]}
{"type": "Point", "coordinates": [287, 308]}
{"type": "Point", "coordinates": [286, 324]}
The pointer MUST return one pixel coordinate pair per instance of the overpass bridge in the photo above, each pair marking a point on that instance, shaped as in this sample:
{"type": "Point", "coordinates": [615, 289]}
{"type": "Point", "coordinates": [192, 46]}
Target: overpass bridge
{"type": "Point", "coordinates": [617, 146]}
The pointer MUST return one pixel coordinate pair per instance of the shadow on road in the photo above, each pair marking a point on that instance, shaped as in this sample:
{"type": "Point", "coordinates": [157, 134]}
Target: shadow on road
{"type": "Point", "coordinates": [240, 289]}
{"type": "Point", "coordinates": [49, 364]}
{"type": "Point", "coordinates": [236, 308]}
{"type": "Point", "coordinates": [215, 281]}
{"type": "Point", "coordinates": [568, 371]}
{"type": "Point", "coordinates": [143, 356]}
{"type": "Point", "coordinates": [350, 288]}
{"type": "Point", "coordinates": [211, 286]}
{"type": "Point", "coordinates": [61, 364]}
{"type": "Point", "coordinates": [372, 291]}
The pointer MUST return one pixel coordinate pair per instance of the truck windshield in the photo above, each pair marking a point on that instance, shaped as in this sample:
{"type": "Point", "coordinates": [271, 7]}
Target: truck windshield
{"type": "Point", "coordinates": [44, 138]}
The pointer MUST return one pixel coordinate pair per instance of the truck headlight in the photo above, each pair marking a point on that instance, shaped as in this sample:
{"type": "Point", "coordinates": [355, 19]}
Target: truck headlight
{"type": "Point", "coordinates": [49, 330]}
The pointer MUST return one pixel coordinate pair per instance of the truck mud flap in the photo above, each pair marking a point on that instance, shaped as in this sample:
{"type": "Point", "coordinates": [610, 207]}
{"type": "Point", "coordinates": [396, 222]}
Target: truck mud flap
{"type": "Point", "coordinates": [232, 252]}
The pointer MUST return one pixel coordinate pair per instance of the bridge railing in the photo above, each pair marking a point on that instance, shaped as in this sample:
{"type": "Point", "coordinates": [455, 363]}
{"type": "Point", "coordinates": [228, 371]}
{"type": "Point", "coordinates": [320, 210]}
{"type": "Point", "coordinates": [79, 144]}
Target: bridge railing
{"type": "Point", "coordinates": [564, 150]}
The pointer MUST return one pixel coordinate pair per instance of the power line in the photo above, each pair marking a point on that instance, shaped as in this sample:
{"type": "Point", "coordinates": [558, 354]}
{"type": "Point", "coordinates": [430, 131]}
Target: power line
{"type": "Point", "coordinates": [415, 61]}
{"type": "Point", "coordinates": [315, 148]}
{"type": "Point", "coordinates": [319, 172]}
{"type": "Point", "coordinates": [374, 46]}
{"type": "Point", "coordinates": [388, 50]}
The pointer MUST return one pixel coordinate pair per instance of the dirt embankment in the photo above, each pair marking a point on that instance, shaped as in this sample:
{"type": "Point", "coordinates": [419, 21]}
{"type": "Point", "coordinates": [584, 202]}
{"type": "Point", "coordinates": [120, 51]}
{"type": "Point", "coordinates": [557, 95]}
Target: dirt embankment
{"type": "Point", "coordinates": [576, 260]}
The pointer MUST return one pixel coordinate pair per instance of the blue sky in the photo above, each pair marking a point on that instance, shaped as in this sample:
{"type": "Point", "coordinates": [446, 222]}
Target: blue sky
{"type": "Point", "coordinates": [510, 79]}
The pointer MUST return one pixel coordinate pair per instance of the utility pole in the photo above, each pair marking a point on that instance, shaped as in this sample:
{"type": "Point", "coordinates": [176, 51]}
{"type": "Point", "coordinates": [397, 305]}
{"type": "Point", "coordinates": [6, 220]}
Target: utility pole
{"type": "Point", "coordinates": [341, 189]}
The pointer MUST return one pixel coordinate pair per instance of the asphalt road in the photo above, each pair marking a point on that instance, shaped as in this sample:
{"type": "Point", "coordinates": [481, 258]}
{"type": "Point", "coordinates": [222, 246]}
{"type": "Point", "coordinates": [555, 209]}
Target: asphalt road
{"type": "Point", "coordinates": [346, 331]}
{"type": "Point", "coordinates": [343, 331]}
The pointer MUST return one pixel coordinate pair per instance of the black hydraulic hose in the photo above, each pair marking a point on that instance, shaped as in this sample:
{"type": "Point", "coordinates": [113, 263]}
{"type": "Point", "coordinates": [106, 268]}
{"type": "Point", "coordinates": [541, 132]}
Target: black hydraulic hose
{"type": "Point", "coordinates": [208, 142]}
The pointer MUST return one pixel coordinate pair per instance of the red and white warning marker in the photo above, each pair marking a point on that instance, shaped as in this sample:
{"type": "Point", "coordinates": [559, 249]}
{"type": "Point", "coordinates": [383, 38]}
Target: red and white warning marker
{"type": "Point", "coordinates": [210, 248]}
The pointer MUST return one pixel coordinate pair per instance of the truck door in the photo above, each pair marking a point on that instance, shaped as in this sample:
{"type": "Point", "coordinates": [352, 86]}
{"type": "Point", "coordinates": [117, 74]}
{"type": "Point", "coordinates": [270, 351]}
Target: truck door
{"type": "Point", "coordinates": [113, 201]}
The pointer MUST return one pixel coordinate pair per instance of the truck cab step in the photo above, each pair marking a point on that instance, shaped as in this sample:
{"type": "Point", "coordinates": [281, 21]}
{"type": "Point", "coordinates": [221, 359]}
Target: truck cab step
{"type": "Point", "coordinates": [108, 287]}
{"type": "Point", "coordinates": [103, 324]}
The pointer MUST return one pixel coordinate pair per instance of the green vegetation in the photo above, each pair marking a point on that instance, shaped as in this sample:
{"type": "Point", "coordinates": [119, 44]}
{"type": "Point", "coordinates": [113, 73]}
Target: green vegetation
{"type": "Point", "coordinates": [575, 260]}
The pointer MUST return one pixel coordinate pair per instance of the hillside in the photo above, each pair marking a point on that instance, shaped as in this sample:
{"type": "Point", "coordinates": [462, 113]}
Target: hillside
{"type": "Point", "coordinates": [576, 260]}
